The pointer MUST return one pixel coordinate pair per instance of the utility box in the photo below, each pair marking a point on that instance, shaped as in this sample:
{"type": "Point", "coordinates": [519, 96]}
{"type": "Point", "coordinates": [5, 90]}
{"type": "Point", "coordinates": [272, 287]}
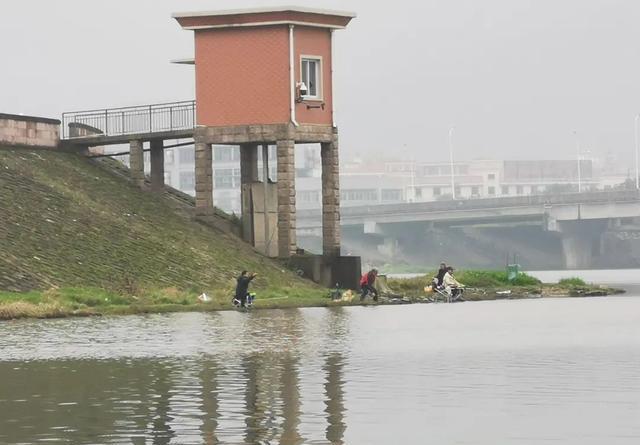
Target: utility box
{"type": "Point", "coordinates": [512, 272]}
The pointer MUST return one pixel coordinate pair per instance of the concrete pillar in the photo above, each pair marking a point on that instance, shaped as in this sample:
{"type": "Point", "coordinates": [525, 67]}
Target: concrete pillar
{"type": "Point", "coordinates": [248, 175]}
{"type": "Point", "coordinates": [136, 162]}
{"type": "Point", "coordinates": [248, 163]}
{"type": "Point", "coordinates": [330, 198]}
{"type": "Point", "coordinates": [577, 253]}
{"type": "Point", "coordinates": [581, 241]}
{"type": "Point", "coordinates": [389, 247]}
{"type": "Point", "coordinates": [157, 165]}
{"type": "Point", "coordinates": [286, 199]}
{"type": "Point", "coordinates": [204, 179]}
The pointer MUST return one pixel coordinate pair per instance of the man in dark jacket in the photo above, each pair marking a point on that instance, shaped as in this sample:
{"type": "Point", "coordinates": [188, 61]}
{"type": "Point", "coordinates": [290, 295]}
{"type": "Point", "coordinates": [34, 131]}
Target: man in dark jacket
{"type": "Point", "coordinates": [441, 273]}
{"type": "Point", "coordinates": [242, 288]}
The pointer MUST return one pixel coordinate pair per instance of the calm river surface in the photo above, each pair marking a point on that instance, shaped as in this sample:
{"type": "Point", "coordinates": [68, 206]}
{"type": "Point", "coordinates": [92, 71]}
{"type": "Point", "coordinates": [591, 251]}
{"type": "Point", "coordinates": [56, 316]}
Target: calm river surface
{"type": "Point", "coordinates": [563, 371]}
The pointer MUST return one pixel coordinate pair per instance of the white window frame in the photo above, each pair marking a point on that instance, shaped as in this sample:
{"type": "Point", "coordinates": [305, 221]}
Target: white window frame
{"type": "Point", "coordinates": [319, 80]}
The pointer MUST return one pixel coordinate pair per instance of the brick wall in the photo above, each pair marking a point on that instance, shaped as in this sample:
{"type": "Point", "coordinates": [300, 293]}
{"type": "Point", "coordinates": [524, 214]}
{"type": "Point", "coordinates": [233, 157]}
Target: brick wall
{"type": "Point", "coordinates": [242, 76]}
{"type": "Point", "coordinates": [29, 131]}
{"type": "Point", "coordinates": [315, 42]}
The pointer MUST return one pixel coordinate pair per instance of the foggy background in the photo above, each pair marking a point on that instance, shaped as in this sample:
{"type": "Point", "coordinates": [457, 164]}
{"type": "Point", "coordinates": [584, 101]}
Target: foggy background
{"type": "Point", "coordinates": [514, 77]}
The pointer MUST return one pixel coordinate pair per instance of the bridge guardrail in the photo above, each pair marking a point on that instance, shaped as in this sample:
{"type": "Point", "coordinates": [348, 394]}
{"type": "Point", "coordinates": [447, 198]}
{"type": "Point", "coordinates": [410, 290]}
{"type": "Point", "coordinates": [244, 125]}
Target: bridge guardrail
{"type": "Point", "coordinates": [483, 203]}
{"type": "Point", "coordinates": [134, 120]}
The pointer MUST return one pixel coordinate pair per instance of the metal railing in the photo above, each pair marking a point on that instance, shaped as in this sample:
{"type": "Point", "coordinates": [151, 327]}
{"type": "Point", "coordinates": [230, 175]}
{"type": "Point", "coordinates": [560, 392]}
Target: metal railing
{"type": "Point", "coordinates": [355, 213]}
{"type": "Point", "coordinates": [134, 120]}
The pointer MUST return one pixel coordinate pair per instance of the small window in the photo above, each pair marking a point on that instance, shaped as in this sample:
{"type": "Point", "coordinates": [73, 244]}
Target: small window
{"type": "Point", "coordinates": [492, 191]}
{"type": "Point", "coordinates": [359, 195]}
{"type": "Point", "coordinates": [437, 191]}
{"type": "Point", "coordinates": [168, 157]}
{"type": "Point", "coordinates": [187, 155]}
{"type": "Point", "coordinates": [492, 176]}
{"type": "Point", "coordinates": [391, 195]}
{"type": "Point", "coordinates": [222, 154]}
{"type": "Point", "coordinates": [311, 77]}
{"type": "Point", "coordinates": [505, 190]}
{"type": "Point", "coordinates": [187, 181]}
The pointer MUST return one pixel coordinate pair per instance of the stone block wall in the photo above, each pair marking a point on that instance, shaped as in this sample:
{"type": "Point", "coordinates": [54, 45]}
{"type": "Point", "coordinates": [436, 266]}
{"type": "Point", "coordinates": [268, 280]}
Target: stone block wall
{"type": "Point", "coordinates": [78, 130]}
{"type": "Point", "coordinates": [29, 131]}
{"type": "Point", "coordinates": [330, 198]}
{"type": "Point", "coordinates": [286, 199]}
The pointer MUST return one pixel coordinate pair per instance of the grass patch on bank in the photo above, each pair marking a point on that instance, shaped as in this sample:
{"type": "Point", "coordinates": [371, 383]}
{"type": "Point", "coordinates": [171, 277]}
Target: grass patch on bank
{"type": "Point", "coordinates": [493, 284]}
{"type": "Point", "coordinates": [75, 235]}
{"type": "Point", "coordinates": [61, 302]}
{"type": "Point", "coordinates": [470, 278]}
{"type": "Point", "coordinates": [572, 282]}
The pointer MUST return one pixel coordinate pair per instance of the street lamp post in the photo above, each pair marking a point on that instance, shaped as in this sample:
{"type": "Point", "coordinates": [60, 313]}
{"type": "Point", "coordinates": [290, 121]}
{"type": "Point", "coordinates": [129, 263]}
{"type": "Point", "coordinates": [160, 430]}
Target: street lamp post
{"type": "Point", "coordinates": [579, 163]}
{"type": "Point", "coordinates": [637, 137]}
{"type": "Point", "coordinates": [453, 185]}
{"type": "Point", "coordinates": [411, 192]}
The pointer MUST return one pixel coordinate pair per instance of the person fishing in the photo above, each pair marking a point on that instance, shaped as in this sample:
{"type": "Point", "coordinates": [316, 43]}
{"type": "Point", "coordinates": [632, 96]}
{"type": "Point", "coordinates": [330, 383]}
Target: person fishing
{"type": "Point", "coordinates": [452, 286]}
{"type": "Point", "coordinates": [439, 278]}
{"type": "Point", "coordinates": [242, 288]}
{"type": "Point", "coordinates": [367, 283]}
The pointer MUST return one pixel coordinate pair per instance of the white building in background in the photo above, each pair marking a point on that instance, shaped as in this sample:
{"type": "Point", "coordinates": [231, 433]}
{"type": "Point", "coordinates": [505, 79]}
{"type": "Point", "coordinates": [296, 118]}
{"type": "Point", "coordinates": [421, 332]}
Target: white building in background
{"type": "Point", "coordinates": [387, 182]}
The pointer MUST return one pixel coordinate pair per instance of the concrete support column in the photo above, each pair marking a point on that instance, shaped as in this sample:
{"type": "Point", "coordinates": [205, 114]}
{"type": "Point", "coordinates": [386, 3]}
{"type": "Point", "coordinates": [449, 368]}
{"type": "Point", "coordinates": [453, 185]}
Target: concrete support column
{"type": "Point", "coordinates": [286, 199]}
{"type": "Point", "coordinates": [136, 162]}
{"type": "Point", "coordinates": [581, 241]}
{"type": "Point", "coordinates": [248, 163]}
{"type": "Point", "coordinates": [157, 165]}
{"type": "Point", "coordinates": [204, 179]}
{"type": "Point", "coordinates": [248, 175]}
{"type": "Point", "coordinates": [330, 198]}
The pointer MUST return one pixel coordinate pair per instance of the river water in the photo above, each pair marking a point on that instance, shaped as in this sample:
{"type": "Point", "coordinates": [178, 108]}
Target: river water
{"type": "Point", "coordinates": [563, 371]}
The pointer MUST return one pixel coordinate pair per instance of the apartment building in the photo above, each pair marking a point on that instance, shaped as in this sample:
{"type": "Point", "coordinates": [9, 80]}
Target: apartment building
{"type": "Point", "coordinates": [386, 182]}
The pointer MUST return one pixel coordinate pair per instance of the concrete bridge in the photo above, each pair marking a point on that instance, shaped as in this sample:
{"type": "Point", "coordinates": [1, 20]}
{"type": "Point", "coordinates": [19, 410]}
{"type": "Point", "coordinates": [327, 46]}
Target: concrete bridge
{"type": "Point", "coordinates": [580, 219]}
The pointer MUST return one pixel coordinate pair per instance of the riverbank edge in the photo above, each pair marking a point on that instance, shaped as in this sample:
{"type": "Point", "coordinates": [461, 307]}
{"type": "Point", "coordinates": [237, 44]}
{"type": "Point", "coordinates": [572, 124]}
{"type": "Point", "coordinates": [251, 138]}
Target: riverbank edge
{"type": "Point", "coordinates": [20, 309]}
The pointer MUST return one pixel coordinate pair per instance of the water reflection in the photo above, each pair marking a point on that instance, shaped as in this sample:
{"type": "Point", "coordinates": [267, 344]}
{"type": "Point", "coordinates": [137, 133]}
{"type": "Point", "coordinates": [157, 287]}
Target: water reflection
{"type": "Point", "coordinates": [371, 375]}
{"type": "Point", "coordinates": [252, 395]}
{"type": "Point", "coordinates": [156, 402]}
{"type": "Point", "coordinates": [334, 399]}
{"type": "Point", "coordinates": [209, 381]}
{"type": "Point", "coordinates": [158, 392]}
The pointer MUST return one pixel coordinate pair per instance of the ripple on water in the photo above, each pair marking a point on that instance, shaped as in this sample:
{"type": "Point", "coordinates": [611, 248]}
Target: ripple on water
{"type": "Point", "coordinates": [379, 375]}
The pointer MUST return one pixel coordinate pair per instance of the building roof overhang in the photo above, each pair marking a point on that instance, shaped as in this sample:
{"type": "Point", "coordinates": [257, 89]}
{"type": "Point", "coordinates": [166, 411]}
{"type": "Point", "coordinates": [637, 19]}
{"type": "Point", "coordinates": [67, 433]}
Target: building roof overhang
{"type": "Point", "coordinates": [184, 61]}
{"type": "Point", "coordinates": [292, 15]}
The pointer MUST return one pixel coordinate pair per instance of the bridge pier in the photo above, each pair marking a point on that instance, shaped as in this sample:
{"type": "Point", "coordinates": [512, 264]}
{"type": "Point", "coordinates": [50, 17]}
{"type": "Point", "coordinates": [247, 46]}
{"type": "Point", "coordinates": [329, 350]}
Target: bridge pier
{"type": "Point", "coordinates": [389, 247]}
{"type": "Point", "coordinates": [136, 162]}
{"type": "Point", "coordinates": [581, 242]}
{"type": "Point", "coordinates": [157, 165]}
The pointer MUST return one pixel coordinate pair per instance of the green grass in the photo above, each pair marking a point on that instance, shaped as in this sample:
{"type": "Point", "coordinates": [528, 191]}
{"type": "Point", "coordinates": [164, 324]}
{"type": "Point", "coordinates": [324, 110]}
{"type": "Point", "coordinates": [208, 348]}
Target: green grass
{"type": "Point", "coordinates": [572, 282]}
{"type": "Point", "coordinates": [487, 284]}
{"type": "Point", "coordinates": [494, 278]}
{"type": "Point", "coordinates": [89, 239]}
{"type": "Point", "coordinates": [470, 278]}
{"type": "Point", "coordinates": [93, 301]}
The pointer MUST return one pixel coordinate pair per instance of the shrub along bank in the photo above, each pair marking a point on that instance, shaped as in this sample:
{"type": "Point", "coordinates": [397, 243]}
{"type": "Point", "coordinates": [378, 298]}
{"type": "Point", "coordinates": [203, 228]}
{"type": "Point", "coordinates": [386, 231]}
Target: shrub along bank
{"type": "Point", "coordinates": [494, 284]}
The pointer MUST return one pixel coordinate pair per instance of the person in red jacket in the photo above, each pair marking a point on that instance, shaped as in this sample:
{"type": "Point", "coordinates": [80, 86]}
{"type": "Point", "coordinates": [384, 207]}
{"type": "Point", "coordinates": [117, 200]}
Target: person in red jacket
{"type": "Point", "coordinates": [367, 284]}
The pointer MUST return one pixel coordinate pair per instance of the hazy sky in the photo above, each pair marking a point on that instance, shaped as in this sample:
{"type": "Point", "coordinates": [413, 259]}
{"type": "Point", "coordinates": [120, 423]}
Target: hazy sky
{"type": "Point", "coordinates": [515, 77]}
